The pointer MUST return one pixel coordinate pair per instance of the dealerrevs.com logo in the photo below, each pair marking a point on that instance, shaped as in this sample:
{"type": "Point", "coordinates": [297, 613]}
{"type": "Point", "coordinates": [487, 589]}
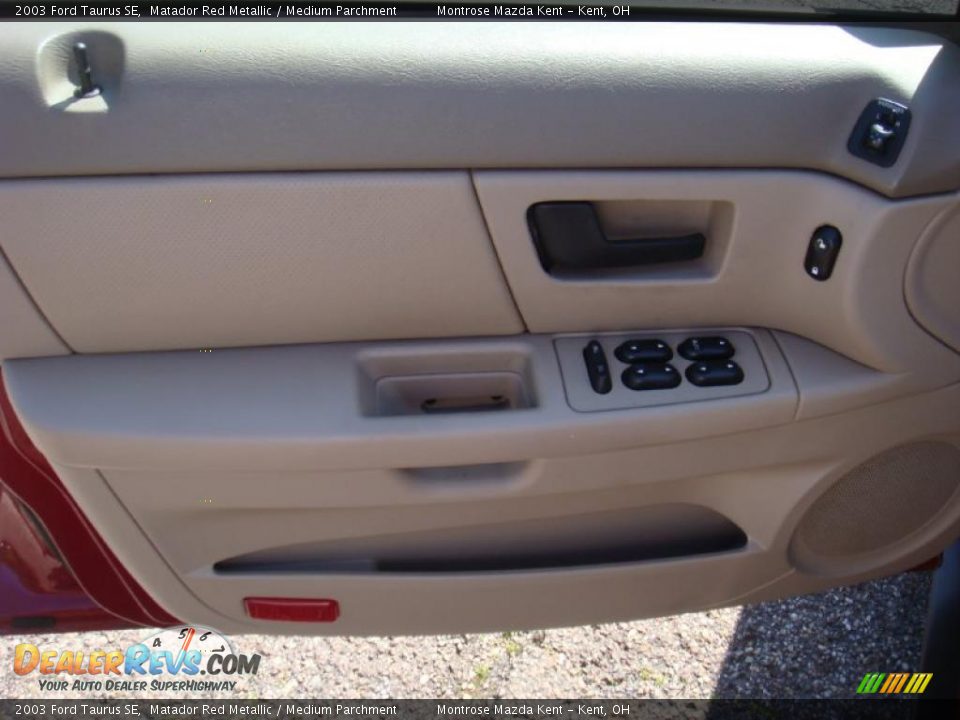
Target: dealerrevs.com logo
{"type": "Point", "coordinates": [178, 659]}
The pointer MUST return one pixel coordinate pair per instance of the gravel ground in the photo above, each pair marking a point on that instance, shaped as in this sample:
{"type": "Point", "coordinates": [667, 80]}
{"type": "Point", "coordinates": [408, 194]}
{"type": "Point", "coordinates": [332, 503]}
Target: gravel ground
{"type": "Point", "coordinates": [813, 646]}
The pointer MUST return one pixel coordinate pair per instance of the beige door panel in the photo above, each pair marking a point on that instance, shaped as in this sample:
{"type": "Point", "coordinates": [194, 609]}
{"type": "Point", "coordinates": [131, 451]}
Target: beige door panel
{"type": "Point", "coordinates": [757, 234]}
{"type": "Point", "coordinates": [323, 470]}
{"type": "Point", "coordinates": [236, 504]}
{"type": "Point", "coordinates": [308, 408]}
{"type": "Point", "coordinates": [371, 388]}
{"type": "Point", "coordinates": [226, 535]}
{"type": "Point", "coordinates": [25, 332]}
{"type": "Point", "coordinates": [474, 95]}
{"type": "Point", "coordinates": [933, 294]}
{"type": "Point", "coordinates": [217, 261]}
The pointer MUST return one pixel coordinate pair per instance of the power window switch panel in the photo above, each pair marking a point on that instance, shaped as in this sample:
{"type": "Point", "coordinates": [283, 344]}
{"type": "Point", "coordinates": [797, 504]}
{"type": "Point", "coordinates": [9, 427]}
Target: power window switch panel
{"type": "Point", "coordinates": [707, 348]}
{"type": "Point", "coordinates": [598, 369]}
{"type": "Point", "coordinates": [714, 373]}
{"type": "Point", "coordinates": [581, 396]}
{"type": "Point", "coordinates": [651, 376]}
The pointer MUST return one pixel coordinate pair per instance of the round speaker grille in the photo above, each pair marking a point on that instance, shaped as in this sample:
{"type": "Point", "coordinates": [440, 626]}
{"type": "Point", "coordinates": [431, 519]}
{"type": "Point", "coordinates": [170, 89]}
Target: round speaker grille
{"type": "Point", "coordinates": [878, 503]}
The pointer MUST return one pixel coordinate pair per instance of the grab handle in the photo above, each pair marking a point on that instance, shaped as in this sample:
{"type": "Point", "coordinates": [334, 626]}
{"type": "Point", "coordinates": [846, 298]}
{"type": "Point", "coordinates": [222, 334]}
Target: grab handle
{"type": "Point", "coordinates": [568, 237]}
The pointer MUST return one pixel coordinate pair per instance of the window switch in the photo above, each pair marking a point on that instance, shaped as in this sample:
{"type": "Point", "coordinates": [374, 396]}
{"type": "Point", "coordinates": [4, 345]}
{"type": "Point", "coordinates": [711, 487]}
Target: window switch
{"type": "Point", "coordinates": [646, 350]}
{"type": "Point", "coordinates": [714, 373]}
{"type": "Point", "coordinates": [706, 348]}
{"type": "Point", "coordinates": [651, 376]}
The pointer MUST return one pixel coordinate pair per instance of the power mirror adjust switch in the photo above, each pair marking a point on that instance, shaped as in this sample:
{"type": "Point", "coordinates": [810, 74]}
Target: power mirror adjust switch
{"type": "Point", "coordinates": [598, 370]}
{"type": "Point", "coordinates": [880, 132]}
{"type": "Point", "coordinates": [706, 348]}
{"type": "Point", "coordinates": [714, 373]}
{"type": "Point", "coordinates": [651, 376]}
{"type": "Point", "coordinates": [640, 351]}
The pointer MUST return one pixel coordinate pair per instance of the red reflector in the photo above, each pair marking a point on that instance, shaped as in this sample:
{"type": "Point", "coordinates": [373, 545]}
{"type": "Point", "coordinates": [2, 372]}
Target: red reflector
{"type": "Point", "coordinates": [292, 609]}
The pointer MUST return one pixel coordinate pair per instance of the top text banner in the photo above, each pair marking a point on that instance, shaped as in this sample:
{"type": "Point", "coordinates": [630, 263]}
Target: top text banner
{"type": "Point", "coordinates": [305, 10]}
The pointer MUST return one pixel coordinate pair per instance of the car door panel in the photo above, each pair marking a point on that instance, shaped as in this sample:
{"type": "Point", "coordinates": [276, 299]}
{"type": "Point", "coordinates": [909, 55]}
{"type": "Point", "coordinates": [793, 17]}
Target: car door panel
{"type": "Point", "coordinates": [27, 333]}
{"type": "Point", "coordinates": [214, 261]}
{"type": "Point", "coordinates": [206, 522]}
{"type": "Point", "coordinates": [282, 322]}
{"type": "Point", "coordinates": [757, 232]}
{"type": "Point", "coordinates": [196, 97]}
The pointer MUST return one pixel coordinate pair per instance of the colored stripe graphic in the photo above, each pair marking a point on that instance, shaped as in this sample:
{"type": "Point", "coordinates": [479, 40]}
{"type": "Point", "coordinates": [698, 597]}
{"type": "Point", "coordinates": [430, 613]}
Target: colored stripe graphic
{"type": "Point", "coordinates": [894, 683]}
{"type": "Point", "coordinates": [903, 680]}
{"type": "Point", "coordinates": [891, 683]}
{"type": "Point", "coordinates": [914, 682]}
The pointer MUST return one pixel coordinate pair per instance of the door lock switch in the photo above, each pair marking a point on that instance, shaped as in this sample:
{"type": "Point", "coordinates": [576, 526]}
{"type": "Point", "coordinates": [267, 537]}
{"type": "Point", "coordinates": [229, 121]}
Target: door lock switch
{"type": "Point", "coordinates": [822, 252]}
{"type": "Point", "coordinates": [706, 348]}
{"type": "Point", "coordinates": [714, 373]}
{"type": "Point", "coordinates": [598, 370]}
{"type": "Point", "coordinates": [642, 351]}
{"type": "Point", "coordinates": [651, 376]}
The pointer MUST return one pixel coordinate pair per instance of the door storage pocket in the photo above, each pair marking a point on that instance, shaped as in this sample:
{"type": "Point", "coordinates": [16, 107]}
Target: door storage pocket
{"type": "Point", "coordinates": [618, 536]}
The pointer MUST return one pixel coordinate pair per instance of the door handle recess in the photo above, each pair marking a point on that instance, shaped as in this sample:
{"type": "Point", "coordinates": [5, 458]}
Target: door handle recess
{"type": "Point", "coordinates": [568, 237]}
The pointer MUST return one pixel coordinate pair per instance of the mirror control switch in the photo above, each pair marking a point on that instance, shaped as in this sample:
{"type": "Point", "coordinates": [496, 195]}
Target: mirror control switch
{"type": "Point", "coordinates": [706, 348]}
{"type": "Point", "coordinates": [651, 376]}
{"type": "Point", "coordinates": [598, 370]}
{"type": "Point", "coordinates": [714, 373]}
{"type": "Point", "coordinates": [880, 132]}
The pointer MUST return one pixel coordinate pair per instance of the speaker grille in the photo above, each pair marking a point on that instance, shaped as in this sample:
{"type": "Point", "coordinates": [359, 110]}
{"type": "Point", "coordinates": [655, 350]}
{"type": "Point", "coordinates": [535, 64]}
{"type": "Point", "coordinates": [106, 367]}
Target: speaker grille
{"type": "Point", "coordinates": [878, 503]}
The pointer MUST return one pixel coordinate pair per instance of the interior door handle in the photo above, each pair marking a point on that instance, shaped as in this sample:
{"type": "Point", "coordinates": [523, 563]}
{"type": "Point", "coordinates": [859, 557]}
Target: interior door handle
{"type": "Point", "coordinates": [568, 236]}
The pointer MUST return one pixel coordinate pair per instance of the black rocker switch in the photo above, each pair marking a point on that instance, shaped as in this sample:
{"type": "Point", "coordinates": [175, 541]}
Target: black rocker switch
{"type": "Point", "coordinates": [597, 368]}
{"type": "Point", "coordinates": [822, 252]}
{"type": "Point", "coordinates": [639, 351]}
{"type": "Point", "coordinates": [714, 372]}
{"type": "Point", "coordinates": [706, 348]}
{"type": "Point", "coordinates": [651, 376]}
